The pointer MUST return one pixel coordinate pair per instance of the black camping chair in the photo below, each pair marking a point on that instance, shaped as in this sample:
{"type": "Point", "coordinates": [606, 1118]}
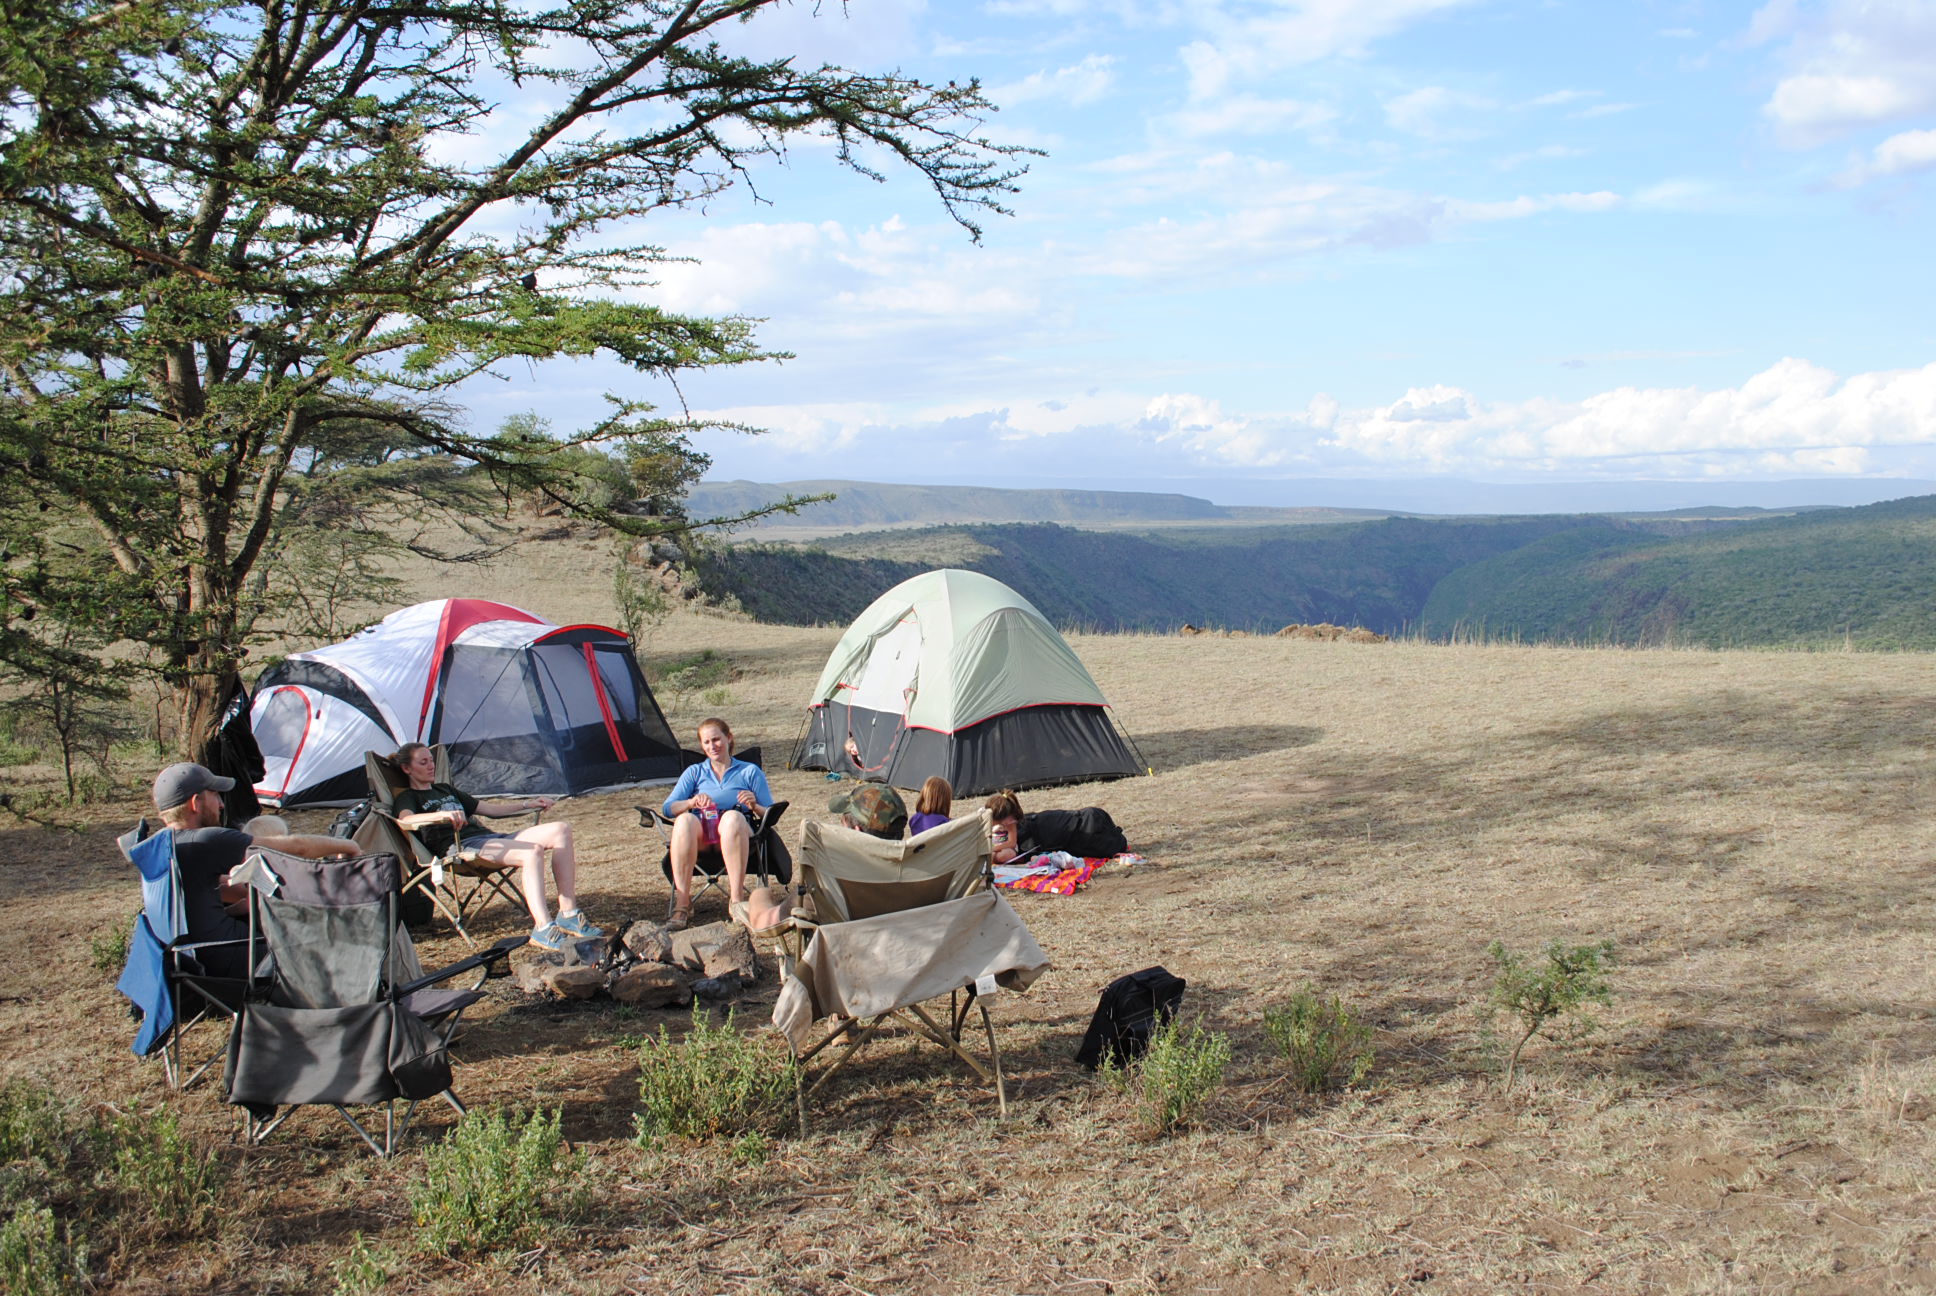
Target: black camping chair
{"type": "Point", "coordinates": [767, 859]}
{"type": "Point", "coordinates": [347, 1017]}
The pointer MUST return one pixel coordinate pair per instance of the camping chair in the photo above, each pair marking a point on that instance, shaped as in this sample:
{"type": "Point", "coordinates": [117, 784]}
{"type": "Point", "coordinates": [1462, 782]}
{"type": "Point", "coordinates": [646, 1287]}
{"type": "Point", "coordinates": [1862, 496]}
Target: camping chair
{"type": "Point", "coordinates": [438, 876]}
{"type": "Point", "coordinates": [170, 990]}
{"type": "Point", "coordinates": [767, 859]}
{"type": "Point", "coordinates": [347, 1017]}
{"type": "Point", "coordinates": [893, 925]}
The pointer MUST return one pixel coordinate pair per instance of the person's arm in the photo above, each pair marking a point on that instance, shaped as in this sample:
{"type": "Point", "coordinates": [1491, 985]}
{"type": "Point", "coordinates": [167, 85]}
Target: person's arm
{"type": "Point", "coordinates": [684, 793]}
{"type": "Point", "coordinates": [762, 794]}
{"type": "Point", "coordinates": [310, 845]}
{"type": "Point", "coordinates": [499, 808]}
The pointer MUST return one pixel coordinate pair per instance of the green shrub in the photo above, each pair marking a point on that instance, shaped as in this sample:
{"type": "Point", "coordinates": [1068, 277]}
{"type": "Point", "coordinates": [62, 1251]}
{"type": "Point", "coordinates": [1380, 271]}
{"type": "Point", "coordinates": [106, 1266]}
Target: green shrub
{"type": "Point", "coordinates": [497, 1181]}
{"type": "Point", "coordinates": [363, 1270]}
{"type": "Point", "coordinates": [108, 950]}
{"type": "Point", "coordinates": [1175, 1077]}
{"type": "Point", "coordinates": [160, 1172]}
{"type": "Point", "coordinates": [39, 1257]}
{"type": "Point", "coordinates": [713, 1082]}
{"type": "Point", "coordinates": [1327, 1047]}
{"type": "Point", "coordinates": [1548, 996]}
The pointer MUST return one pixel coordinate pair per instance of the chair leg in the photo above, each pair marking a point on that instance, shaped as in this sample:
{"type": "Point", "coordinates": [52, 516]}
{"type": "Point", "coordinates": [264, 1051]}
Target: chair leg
{"type": "Point", "coordinates": [995, 1057]}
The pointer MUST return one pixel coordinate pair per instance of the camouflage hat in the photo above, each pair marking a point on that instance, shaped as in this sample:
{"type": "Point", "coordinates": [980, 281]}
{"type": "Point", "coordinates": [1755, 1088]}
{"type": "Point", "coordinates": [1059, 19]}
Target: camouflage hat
{"type": "Point", "coordinates": [874, 808]}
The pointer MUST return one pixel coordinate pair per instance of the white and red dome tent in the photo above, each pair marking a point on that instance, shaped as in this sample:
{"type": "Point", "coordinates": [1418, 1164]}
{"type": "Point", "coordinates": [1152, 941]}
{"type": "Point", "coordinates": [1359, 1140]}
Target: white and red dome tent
{"type": "Point", "coordinates": [525, 707]}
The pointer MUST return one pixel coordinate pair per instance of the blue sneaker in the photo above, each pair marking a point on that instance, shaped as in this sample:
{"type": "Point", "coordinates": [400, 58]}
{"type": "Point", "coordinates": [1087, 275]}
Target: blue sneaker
{"type": "Point", "coordinates": [551, 937]}
{"type": "Point", "coordinates": [574, 922]}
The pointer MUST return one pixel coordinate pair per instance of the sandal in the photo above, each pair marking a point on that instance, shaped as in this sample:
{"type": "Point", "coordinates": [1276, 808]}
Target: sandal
{"type": "Point", "coordinates": [678, 916]}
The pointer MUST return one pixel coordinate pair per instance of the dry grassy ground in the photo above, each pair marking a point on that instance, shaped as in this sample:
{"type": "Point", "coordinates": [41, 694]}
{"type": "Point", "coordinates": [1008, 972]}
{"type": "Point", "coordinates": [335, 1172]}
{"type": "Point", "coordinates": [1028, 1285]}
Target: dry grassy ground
{"type": "Point", "coordinates": [1756, 1116]}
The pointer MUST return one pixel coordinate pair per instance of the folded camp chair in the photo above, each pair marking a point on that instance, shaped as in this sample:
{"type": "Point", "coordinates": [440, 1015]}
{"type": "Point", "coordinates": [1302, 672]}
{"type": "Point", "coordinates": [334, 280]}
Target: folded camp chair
{"type": "Point", "coordinates": [166, 980]}
{"type": "Point", "coordinates": [347, 1018]}
{"type": "Point", "coordinates": [438, 876]}
{"type": "Point", "coordinates": [893, 925]}
{"type": "Point", "coordinates": [767, 859]}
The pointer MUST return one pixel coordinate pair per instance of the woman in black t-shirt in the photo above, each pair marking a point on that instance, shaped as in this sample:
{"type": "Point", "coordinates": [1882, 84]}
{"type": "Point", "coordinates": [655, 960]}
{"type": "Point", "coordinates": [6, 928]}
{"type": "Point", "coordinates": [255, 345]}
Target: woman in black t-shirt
{"type": "Point", "coordinates": [443, 816]}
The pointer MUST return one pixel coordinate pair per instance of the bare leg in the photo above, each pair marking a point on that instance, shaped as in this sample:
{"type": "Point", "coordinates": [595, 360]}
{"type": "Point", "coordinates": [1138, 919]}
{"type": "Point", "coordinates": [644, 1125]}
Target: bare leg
{"type": "Point", "coordinates": [685, 858]}
{"type": "Point", "coordinates": [735, 844]}
{"type": "Point", "coordinates": [527, 850]}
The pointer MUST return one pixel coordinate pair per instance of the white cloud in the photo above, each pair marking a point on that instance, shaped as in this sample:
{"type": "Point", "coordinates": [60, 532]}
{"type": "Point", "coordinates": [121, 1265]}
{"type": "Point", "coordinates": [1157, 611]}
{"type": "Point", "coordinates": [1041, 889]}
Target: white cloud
{"type": "Point", "coordinates": [1852, 64]}
{"type": "Point", "coordinates": [1247, 42]}
{"type": "Point", "coordinates": [1082, 83]}
{"type": "Point", "coordinates": [1434, 112]}
{"type": "Point", "coordinates": [1523, 206]}
{"type": "Point", "coordinates": [1794, 418]}
{"type": "Point", "coordinates": [1902, 154]}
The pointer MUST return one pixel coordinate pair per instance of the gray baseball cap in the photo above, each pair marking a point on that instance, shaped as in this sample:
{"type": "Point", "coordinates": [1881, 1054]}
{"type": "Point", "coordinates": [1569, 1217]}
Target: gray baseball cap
{"type": "Point", "coordinates": [177, 783]}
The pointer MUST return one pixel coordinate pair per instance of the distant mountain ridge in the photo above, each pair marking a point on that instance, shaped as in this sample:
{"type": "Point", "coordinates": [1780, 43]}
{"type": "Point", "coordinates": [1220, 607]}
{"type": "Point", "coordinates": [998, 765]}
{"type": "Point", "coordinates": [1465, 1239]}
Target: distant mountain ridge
{"type": "Point", "coordinates": [1863, 576]}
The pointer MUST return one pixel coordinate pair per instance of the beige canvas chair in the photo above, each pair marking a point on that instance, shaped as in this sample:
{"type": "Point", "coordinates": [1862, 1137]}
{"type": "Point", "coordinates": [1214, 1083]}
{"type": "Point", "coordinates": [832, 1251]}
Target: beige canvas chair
{"type": "Point", "coordinates": [896, 926]}
{"type": "Point", "coordinates": [441, 877]}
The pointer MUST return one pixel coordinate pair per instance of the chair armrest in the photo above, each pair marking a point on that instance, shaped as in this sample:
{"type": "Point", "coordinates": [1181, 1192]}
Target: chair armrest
{"type": "Point", "coordinates": [482, 959]}
{"type": "Point", "coordinates": [650, 816]}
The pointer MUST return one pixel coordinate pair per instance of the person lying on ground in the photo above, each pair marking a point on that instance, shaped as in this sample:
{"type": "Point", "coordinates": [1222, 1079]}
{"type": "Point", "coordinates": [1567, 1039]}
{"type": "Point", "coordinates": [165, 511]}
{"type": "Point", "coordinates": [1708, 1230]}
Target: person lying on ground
{"type": "Point", "coordinates": [932, 806]}
{"type": "Point", "coordinates": [189, 799]}
{"type": "Point", "coordinates": [444, 817]}
{"type": "Point", "coordinates": [1088, 833]}
{"type": "Point", "coordinates": [714, 803]}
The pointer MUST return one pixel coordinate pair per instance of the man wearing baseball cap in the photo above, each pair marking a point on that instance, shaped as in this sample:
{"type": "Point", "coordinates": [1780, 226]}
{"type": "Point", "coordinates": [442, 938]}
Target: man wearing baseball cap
{"type": "Point", "coordinates": [873, 808]}
{"type": "Point", "coordinates": [189, 797]}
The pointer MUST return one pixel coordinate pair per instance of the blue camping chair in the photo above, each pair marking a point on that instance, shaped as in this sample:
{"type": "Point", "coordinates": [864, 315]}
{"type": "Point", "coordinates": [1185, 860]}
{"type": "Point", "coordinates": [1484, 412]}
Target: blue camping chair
{"type": "Point", "coordinates": [170, 990]}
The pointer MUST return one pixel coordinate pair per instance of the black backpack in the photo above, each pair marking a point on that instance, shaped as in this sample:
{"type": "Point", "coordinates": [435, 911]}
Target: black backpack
{"type": "Point", "coordinates": [346, 822]}
{"type": "Point", "coordinates": [1131, 1009]}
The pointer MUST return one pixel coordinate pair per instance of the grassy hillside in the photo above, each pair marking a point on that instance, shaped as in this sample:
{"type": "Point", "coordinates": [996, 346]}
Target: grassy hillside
{"type": "Point", "coordinates": [1375, 574]}
{"type": "Point", "coordinates": [1864, 576]}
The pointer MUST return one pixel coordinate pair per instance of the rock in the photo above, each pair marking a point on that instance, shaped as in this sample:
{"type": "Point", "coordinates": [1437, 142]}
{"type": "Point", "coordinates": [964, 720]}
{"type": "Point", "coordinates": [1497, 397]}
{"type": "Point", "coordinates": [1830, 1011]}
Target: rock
{"type": "Point", "coordinates": [691, 946]}
{"type": "Point", "coordinates": [732, 956]}
{"type": "Point", "coordinates": [649, 943]}
{"type": "Point", "coordinates": [575, 982]}
{"type": "Point", "coordinates": [652, 985]}
{"type": "Point", "coordinates": [533, 967]}
{"type": "Point", "coordinates": [724, 987]}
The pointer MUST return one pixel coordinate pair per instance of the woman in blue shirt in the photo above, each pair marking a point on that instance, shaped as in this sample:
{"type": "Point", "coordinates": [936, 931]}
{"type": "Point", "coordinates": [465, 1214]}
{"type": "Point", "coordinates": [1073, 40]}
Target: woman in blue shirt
{"type": "Point", "coordinates": [712, 805]}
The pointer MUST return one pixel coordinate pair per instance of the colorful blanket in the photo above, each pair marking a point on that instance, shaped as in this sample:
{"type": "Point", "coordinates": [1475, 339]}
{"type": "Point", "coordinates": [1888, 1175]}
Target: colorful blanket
{"type": "Point", "coordinates": [1056, 874]}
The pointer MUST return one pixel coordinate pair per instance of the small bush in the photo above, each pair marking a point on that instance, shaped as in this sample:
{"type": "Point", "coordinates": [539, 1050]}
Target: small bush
{"type": "Point", "coordinates": [1549, 996]}
{"type": "Point", "coordinates": [39, 1257]}
{"type": "Point", "coordinates": [108, 950]}
{"type": "Point", "coordinates": [496, 1182]}
{"type": "Point", "coordinates": [363, 1270]}
{"type": "Point", "coordinates": [1327, 1047]}
{"type": "Point", "coordinates": [713, 1082]}
{"type": "Point", "coordinates": [1175, 1077]}
{"type": "Point", "coordinates": [160, 1172]}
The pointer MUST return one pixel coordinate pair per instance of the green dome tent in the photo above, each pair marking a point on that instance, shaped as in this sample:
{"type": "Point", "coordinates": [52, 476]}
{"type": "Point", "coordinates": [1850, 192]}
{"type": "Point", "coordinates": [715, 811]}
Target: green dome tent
{"type": "Point", "coordinates": [954, 673]}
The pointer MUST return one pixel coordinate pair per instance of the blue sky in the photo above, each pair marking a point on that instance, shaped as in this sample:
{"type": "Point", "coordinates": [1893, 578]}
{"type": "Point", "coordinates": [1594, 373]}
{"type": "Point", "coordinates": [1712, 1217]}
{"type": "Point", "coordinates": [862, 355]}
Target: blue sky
{"type": "Point", "coordinates": [1468, 239]}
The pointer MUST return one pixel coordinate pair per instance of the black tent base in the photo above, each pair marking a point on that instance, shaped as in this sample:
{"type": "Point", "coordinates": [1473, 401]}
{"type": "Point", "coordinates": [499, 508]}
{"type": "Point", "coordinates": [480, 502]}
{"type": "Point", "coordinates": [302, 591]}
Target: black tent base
{"type": "Point", "coordinates": [1040, 746]}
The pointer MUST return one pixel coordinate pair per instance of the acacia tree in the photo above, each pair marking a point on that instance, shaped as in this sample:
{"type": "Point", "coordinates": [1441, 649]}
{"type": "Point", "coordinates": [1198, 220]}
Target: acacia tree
{"type": "Point", "coordinates": [245, 240]}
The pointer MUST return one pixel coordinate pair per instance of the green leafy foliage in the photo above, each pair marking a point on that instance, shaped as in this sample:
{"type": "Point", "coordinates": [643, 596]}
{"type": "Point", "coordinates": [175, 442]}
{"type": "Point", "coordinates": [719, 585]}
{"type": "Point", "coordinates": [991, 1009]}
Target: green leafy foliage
{"type": "Point", "coordinates": [252, 249]}
{"type": "Point", "coordinates": [108, 950]}
{"type": "Point", "coordinates": [167, 1177]}
{"type": "Point", "coordinates": [1326, 1045]}
{"type": "Point", "coordinates": [364, 1269]}
{"type": "Point", "coordinates": [713, 1082]}
{"type": "Point", "coordinates": [1180, 1071]}
{"type": "Point", "coordinates": [39, 1257]}
{"type": "Point", "coordinates": [498, 1181]}
{"type": "Point", "coordinates": [67, 1176]}
{"type": "Point", "coordinates": [1549, 994]}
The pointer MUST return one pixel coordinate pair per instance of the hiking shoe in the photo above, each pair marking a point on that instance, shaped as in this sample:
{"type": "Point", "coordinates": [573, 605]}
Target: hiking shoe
{"type": "Point", "coordinates": [552, 937]}
{"type": "Point", "coordinates": [574, 922]}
